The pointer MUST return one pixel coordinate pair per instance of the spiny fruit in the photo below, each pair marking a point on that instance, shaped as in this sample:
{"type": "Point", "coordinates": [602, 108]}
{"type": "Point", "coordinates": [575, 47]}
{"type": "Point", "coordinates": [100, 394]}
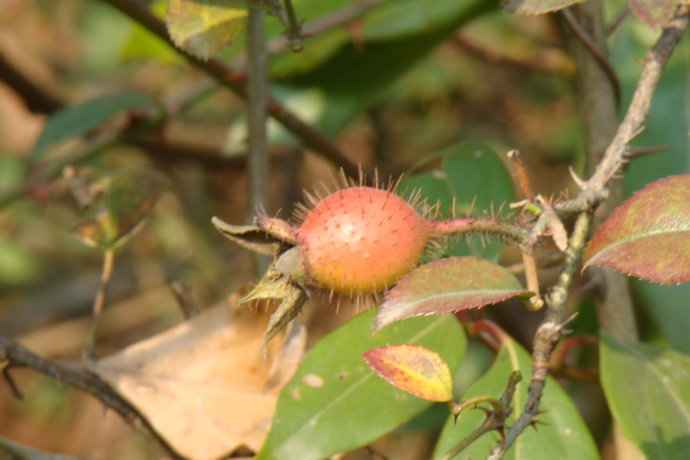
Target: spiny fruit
{"type": "Point", "coordinates": [360, 240]}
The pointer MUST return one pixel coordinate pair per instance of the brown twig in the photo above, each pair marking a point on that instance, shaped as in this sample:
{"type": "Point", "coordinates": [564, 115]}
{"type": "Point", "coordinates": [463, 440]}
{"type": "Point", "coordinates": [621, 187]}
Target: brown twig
{"type": "Point", "coordinates": [36, 98]}
{"type": "Point", "coordinates": [236, 83]}
{"type": "Point", "coordinates": [79, 376]}
{"type": "Point", "coordinates": [509, 231]}
{"type": "Point", "coordinates": [550, 330]}
{"type": "Point", "coordinates": [593, 48]}
{"type": "Point", "coordinates": [472, 48]}
{"type": "Point", "coordinates": [523, 178]}
{"type": "Point", "coordinates": [89, 353]}
{"type": "Point", "coordinates": [337, 18]}
{"type": "Point", "coordinates": [10, 450]}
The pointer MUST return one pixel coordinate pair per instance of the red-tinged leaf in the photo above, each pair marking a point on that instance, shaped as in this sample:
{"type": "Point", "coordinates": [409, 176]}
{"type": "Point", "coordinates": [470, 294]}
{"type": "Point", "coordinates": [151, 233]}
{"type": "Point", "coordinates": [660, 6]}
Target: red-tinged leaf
{"type": "Point", "coordinates": [414, 369]}
{"type": "Point", "coordinates": [448, 285]}
{"type": "Point", "coordinates": [648, 236]}
{"type": "Point", "coordinates": [537, 6]}
{"type": "Point", "coordinates": [655, 13]}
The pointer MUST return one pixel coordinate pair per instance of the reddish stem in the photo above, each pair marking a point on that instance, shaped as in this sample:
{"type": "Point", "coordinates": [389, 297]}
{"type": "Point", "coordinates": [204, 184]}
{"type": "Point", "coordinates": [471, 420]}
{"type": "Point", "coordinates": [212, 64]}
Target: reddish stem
{"type": "Point", "coordinates": [488, 332]}
{"type": "Point", "coordinates": [512, 232]}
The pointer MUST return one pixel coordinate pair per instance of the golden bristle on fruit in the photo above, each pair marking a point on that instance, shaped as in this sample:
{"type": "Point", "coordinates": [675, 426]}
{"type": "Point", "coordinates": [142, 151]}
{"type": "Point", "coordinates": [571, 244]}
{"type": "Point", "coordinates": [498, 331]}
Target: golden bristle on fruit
{"type": "Point", "coordinates": [360, 240]}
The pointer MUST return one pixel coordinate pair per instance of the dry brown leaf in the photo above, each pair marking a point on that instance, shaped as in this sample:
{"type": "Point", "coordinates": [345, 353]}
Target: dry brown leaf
{"type": "Point", "coordinates": [204, 385]}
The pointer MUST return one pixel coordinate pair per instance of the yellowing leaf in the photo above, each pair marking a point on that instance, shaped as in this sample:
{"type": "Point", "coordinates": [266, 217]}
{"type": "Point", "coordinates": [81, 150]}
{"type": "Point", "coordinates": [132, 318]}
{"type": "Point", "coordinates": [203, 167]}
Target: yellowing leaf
{"type": "Point", "coordinates": [205, 27]}
{"type": "Point", "coordinates": [648, 236]}
{"type": "Point", "coordinates": [414, 369]}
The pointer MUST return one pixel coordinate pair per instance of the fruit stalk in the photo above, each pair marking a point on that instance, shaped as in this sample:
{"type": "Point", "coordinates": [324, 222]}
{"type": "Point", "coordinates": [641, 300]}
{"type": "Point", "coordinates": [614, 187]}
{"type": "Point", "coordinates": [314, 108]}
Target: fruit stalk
{"type": "Point", "coordinates": [511, 232]}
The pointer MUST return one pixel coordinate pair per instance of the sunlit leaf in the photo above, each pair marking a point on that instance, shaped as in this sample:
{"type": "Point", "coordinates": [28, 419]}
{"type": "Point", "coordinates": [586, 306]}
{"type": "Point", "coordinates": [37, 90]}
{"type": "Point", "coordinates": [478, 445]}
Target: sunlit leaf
{"type": "Point", "coordinates": [537, 6]}
{"type": "Point", "coordinates": [80, 119]}
{"type": "Point", "coordinates": [448, 285]}
{"type": "Point", "coordinates": [141, 43]}
{"type": "Point", "coordinates": [654, 413]}
{"type": "Point", "coordinates": [205, 27]}
{"type": "Point", "coordinates": [648, 236]}
{"type": "Point", "coordinates": [474, 180]}
{"type": "Point", "coordinates": [414, 369]}
{"type": "Point", "coordinates": [335, 402]}
{"type": "Point", "coordinates": [129, 196]}
{"type": "Point", "coordinates": [654, 13]}
{"type": "Point", "coordinates": [562, 435]}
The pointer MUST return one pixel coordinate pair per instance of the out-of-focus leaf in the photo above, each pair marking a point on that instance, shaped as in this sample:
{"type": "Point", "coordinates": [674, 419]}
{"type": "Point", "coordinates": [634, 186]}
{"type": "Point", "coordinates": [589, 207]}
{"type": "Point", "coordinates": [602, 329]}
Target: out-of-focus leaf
{"type": "Point", "coordinates": [654, 13]}
{"type": "Point", "coordinates": [335, 388]}
{"type": "Point", "coordinates": [144, 44]}
{"type": "Point", "coordinates": [648, 236]}
{"type": "Point", "coordinates": [472, 178]}
{"type": "Point", "coordinates": [563, 434]}
{"type": "Point", "coordinates": [129, 196]}
{"type": "Point", "coordinates": [654, 413]}
{"type": "Point", "coordinates": [668, 308]}
{"type": "Point", "coordinates": [537, 6]}
{"type": "Point", "coordinates": [205, 27]}
{"type": "Point", "coordinates": [448, 285]}
{"type": "Point", "coordinates": [413, 368]}
{"type": "Point", "coordinates": [353, 75]}
{"type": "Point", "coordinates": [204, 385]}
{"type": "Point", "coordinates": [80, 119]}
{"type": "Point", "coordinates": [17, 265]}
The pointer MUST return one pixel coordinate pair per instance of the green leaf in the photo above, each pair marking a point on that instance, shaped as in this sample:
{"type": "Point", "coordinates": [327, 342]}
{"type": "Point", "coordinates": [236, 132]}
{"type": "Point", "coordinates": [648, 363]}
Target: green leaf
{"type": "Point", "coordinates": [654, 412]}
{"type": "Point", "coordinates": [472, 177]}
{"type": "Point", "coordinates": [83, 118]}
{"type": "Point", "coordinates": [414, 369]}
{"type": "Point", "coordinates": [668, 308]}
{"type": "Point", "coordinates": [335, 402]}
{"type": "Point", "coordinates": [129, 196]}
{"type": "Point", "coordinates": [141, 43]}
{"type": "Point", "coordinates": [648, 236]}
{"type": "Point", "coordinates": [448, 285]}
{"type": "Point", "coordinates": [352, 76]}
{"type": "Point", "coordinates": [205, 27]}
{"type": "Point", "coordinates": [537, 6]}
{"type": "Point", "coordinates": [563, 435]}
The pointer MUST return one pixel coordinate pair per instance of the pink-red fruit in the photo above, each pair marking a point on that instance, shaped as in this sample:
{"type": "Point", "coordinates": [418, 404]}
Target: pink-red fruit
{"type": "Point", "coordinates": [361, 240]}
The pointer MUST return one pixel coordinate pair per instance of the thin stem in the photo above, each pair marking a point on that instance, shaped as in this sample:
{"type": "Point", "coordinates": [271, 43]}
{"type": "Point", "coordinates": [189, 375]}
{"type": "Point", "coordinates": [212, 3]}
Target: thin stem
{"type": "Point", "coordinates": [236, 83]}
{"type": "Point", "coordinates": [13, 354]}
{"type": "Point", "coordinates": [89, 353]}
{"type": "Point", "coordinates": [11, 450]}
{"type": "Point", "coordinates": [495, 419]}
{"type": "Point", "coordinates": [512, 232]}
{"type": "Point", "coordinates": [600, 55]}
{"type": "Point", "coordinates": [480, 431]}
{"type": "Point", "coordinates": [633, 123]}
{"type": "Point", "coordinates": [293, 28]}
{"type": "Point", "coordinates": [82, 155]}
{"type": "Point", "coordinates": [257, 101]}
{"type": "Point", "coordinates": [548, 334]}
